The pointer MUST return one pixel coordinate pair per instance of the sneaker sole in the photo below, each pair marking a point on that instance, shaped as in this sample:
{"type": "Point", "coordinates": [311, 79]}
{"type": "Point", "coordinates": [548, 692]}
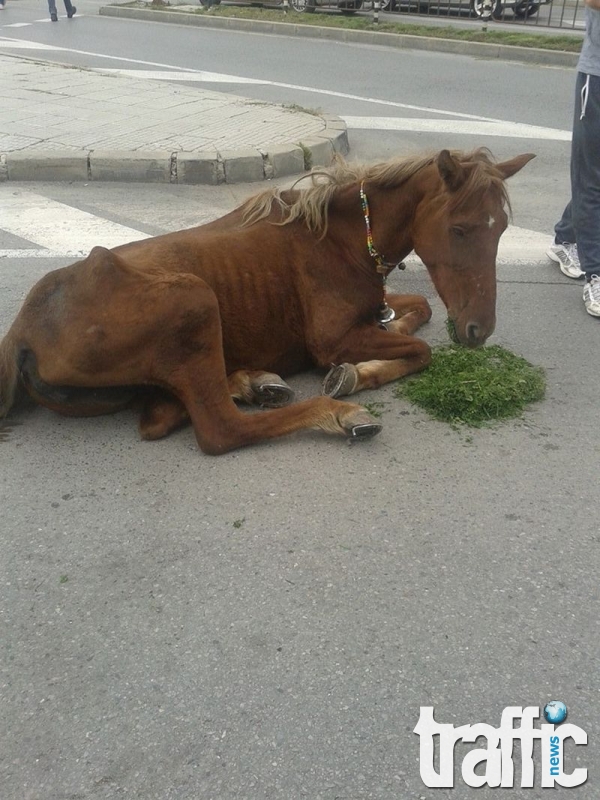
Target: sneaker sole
{"type": "Point", "coordinates": [564, 269]}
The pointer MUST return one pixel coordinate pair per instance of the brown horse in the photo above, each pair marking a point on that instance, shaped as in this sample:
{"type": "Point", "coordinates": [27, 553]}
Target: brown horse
{"type": "Point", "coordinates": [189, 321]}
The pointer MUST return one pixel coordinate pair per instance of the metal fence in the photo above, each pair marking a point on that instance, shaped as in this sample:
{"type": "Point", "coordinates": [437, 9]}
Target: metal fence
{"type": "Point", "coordinates": [563, 14]}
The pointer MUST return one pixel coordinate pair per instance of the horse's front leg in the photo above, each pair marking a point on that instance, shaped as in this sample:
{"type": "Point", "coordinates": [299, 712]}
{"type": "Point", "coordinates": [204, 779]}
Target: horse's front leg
{"type": "Point", "coordinates": [412, 311]}
{"type": "Point", "coordinates": [369, 356]}
{"type": "Point", "coordinates": [255, 387]}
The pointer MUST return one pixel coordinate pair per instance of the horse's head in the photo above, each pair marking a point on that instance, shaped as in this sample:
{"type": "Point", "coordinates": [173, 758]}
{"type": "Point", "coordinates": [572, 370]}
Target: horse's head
{"type": "Point", "coordinates": [456, 231]}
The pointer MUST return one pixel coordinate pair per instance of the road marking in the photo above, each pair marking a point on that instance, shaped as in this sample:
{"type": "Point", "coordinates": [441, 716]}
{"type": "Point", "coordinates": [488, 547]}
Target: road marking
{"type": "Point", "coordinates": [198, 76]}
{"type": "Point", "coordinates": [516, 130]}
{"type": "Point", "coordinates": [60, 229]}
{"type": "Point", "coordinates": [57, 230]}
{"type": "Point", "coordinates": [18, 44]}
{"type": "Point", "coordinates": [217, 77]}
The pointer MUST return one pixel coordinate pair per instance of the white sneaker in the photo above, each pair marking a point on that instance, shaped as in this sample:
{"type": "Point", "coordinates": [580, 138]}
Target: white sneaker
{"type": "Point", "coordinates": [567, 257]}
{"type": "Point", "coordinates": [591, 296]}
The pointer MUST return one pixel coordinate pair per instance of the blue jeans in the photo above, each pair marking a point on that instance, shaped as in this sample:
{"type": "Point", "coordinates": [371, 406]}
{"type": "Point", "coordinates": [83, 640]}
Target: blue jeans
{"type": "Point", "coordinates": [52, 6]}
{"type": "Point", "coordinates": [580, 221]}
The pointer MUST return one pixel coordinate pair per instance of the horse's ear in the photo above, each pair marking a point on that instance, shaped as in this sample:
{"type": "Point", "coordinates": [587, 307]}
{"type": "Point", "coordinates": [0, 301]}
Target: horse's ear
{"type": "Point", "coordinates": [451, 170]}
{"type": "Point", "coordinates": [509, 168]}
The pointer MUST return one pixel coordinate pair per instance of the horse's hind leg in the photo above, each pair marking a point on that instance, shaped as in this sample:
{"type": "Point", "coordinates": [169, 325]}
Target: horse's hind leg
{"type": "Point", "coordinates": [72, 401]}
{"type": "Point", "coordinates": [163, 413]}
{"type": "Point", "coordinates": [187, 359]}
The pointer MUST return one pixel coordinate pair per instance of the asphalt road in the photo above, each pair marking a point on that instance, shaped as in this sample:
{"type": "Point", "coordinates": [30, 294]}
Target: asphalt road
{"type": "Point", "coordinates": [267, 624]}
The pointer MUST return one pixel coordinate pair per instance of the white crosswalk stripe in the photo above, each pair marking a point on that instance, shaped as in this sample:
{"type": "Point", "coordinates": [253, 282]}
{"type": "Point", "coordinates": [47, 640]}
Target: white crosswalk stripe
{"type": "Point", "coordinates": [515, 130]}
{"type": "Point", "coordinates": [57, 230]}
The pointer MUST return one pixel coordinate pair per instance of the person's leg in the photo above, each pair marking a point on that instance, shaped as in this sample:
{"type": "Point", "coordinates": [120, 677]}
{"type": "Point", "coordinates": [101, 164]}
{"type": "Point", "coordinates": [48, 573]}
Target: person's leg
{"type": "Point", "coordinates": [564, 250]}
{"type": "Point", "coordinates": [585, 173]}
{"type": "Point", "coordinates": [563, 230]}
{"type": "Point", "coordinates": [585, 183]}
{"type": "Point", "coordinates": [52, 9]}
{"type": "Point", "coordinates": [70, 8]}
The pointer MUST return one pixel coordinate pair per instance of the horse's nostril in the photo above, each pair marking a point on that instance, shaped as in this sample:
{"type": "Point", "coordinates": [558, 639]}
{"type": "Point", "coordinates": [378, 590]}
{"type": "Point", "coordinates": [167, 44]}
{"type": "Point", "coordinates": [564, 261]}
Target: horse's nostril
{"type": "Point", "coordinates": [472, 330]}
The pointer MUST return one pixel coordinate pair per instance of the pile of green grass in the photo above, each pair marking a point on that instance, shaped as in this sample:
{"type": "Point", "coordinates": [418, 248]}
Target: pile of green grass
{"type": "Point", "coordinates": [474, 387]}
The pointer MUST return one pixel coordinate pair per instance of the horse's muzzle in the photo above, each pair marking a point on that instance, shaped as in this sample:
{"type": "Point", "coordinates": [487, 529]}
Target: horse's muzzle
{"type": "Point", "coordinates": [471, 335]}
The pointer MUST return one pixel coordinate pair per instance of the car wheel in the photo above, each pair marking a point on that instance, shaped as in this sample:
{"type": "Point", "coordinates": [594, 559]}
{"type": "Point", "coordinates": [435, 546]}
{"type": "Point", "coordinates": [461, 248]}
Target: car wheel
{"type": "Point", "coordinates": [303, 5]}
{"type": "Point", "coordinates": [387, 5]}
{"type": "Point", "coordinates": [526, 9]}
{"type": "Point", "coordinates": [486, 9]}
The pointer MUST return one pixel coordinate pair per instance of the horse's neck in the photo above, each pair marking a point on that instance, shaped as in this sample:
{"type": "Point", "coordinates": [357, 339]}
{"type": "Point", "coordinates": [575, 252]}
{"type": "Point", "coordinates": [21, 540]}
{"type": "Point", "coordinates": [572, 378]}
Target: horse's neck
{"type": "Point", "coordinates": [392, 213]}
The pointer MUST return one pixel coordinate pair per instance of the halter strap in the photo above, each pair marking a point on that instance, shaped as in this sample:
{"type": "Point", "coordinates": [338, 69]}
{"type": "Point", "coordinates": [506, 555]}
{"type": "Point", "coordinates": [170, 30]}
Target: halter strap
{"type": "Point", "coordinates": [383, 266]}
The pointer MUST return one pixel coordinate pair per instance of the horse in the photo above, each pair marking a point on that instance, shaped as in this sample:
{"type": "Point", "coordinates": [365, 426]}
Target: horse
{"type": "Point", "coordinates": [190, 324]}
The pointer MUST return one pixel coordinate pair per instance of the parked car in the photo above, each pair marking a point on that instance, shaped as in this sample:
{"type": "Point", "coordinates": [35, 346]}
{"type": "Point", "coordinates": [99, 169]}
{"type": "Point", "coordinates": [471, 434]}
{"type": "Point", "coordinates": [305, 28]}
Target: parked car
{"type": "Point", "coordinates": [484, 9]}
{"type": "Point", "coordinates": [345, 6]}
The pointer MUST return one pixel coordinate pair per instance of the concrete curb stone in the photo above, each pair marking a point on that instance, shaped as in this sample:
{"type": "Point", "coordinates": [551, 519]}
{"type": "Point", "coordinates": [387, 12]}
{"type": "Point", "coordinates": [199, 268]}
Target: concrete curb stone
{"type": "Point", "coordinates": [42, 165]}
{"type": "Point", "coordinates": [145, 167]}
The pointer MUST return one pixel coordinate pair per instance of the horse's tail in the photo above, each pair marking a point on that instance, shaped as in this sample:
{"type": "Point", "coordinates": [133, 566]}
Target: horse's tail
{"type": "Point", "coordinates": [9, 373]}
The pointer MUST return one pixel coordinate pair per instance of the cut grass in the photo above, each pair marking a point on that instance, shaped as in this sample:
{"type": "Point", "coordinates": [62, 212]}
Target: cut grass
{"type": "Point", "coordinates": [474, 387]}
{"type": "Point", "coordinates": [562, 42]}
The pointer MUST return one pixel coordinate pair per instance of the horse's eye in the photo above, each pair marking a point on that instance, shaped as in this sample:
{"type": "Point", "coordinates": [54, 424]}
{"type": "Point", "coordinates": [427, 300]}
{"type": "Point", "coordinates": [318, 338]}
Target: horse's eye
{"type": "Point", "coordinates": [458, 231]}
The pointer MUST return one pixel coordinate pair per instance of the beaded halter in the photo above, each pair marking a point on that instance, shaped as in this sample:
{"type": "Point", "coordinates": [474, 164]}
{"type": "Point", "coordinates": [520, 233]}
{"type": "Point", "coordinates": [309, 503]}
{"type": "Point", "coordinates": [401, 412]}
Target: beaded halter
{"type": "Point", "coordinates": [385, 314]}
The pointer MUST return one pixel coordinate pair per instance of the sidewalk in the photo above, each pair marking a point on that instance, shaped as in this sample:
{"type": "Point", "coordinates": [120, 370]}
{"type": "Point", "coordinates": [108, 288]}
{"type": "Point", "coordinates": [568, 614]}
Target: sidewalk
{"type": "Point", "coordinates": [71, 124]}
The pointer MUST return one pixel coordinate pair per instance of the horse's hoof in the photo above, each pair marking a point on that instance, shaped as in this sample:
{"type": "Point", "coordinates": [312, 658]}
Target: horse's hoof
{"type": "Point", "coordinates": [273, 395]}
{"type": "Point", "coordinates": [341, 380]}
{"type": "Point", "coordinates": [365, 431]}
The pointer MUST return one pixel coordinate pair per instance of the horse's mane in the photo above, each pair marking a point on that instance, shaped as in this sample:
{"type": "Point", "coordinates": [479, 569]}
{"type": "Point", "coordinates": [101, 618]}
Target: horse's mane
{"type": "Point", "coordinates": [311, 204]}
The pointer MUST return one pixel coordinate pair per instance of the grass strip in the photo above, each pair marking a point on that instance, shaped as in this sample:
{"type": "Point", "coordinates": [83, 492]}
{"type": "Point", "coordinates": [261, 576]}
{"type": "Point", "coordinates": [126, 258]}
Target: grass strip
{"type": "Point", "coordinates": [566, 43]}
{"type": "Point", "coordinates": [474, 387]}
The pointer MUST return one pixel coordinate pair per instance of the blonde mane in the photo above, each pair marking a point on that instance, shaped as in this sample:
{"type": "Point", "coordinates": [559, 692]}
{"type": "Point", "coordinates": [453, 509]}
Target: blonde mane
{"type": "Point", "coordinates": [311, 204]}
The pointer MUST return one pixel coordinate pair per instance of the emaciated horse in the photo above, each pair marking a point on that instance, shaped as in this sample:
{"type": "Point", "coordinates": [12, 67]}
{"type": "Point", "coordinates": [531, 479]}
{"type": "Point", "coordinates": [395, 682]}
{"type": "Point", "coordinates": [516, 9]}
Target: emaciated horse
{"type": "Point", "coordinates": [190, 321]}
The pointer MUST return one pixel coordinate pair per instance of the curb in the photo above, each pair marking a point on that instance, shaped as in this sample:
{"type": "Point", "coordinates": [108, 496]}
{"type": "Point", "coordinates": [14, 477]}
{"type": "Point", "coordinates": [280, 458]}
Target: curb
{"type": "Point", "coordinates": [505, 52]}
{"type": "Point", "coordinates": [209, 167]}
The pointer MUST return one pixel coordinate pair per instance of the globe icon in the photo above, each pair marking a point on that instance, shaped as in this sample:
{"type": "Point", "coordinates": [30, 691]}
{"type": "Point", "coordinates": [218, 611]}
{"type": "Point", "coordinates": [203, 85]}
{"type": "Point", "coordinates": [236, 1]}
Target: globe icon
{"type": "Point", "coordinates": [555, 711]}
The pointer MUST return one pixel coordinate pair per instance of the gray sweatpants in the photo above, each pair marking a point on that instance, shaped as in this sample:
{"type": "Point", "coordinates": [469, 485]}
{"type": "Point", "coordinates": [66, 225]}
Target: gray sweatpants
{"type": "Point", "coordinates": [580, 221]}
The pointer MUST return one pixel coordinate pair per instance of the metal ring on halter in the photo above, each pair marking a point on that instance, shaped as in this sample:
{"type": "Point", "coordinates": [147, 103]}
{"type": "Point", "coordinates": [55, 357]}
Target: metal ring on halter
{"type": "Point", "coordinates": [385, 314]}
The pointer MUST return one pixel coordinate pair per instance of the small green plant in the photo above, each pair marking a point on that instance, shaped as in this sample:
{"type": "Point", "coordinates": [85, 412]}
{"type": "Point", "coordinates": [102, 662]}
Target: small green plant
{"type": "Point", "coordinates": [306, 151]}
{"type": "Point", "coordinates": [375, 408]}
{"type": "Point", "coordinates": [63, 579]}
{"type": "Point", "coordinates": [239, 522]}
{"type": "Point", "coordinates": [474, 387]}
{"type": "Point", "coordinates": [301, 109]}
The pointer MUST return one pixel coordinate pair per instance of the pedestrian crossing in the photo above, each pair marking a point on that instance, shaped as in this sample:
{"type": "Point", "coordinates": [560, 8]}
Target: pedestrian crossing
{"type": "Point", "coordinates": [56, 230]}
{"type": "Point", "coordinates": [33, 226]}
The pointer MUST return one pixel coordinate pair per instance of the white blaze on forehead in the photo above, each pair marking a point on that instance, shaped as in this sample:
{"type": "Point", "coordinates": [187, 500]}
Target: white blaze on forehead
{"type": "Point", "coordinates": [490, 221]}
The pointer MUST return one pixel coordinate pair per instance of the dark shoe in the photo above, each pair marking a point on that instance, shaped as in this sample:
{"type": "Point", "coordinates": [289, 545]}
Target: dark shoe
{"type": "Point", "coordinates": [54, 17]}
{"type": "Point", "coordinates": [72, 12]}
